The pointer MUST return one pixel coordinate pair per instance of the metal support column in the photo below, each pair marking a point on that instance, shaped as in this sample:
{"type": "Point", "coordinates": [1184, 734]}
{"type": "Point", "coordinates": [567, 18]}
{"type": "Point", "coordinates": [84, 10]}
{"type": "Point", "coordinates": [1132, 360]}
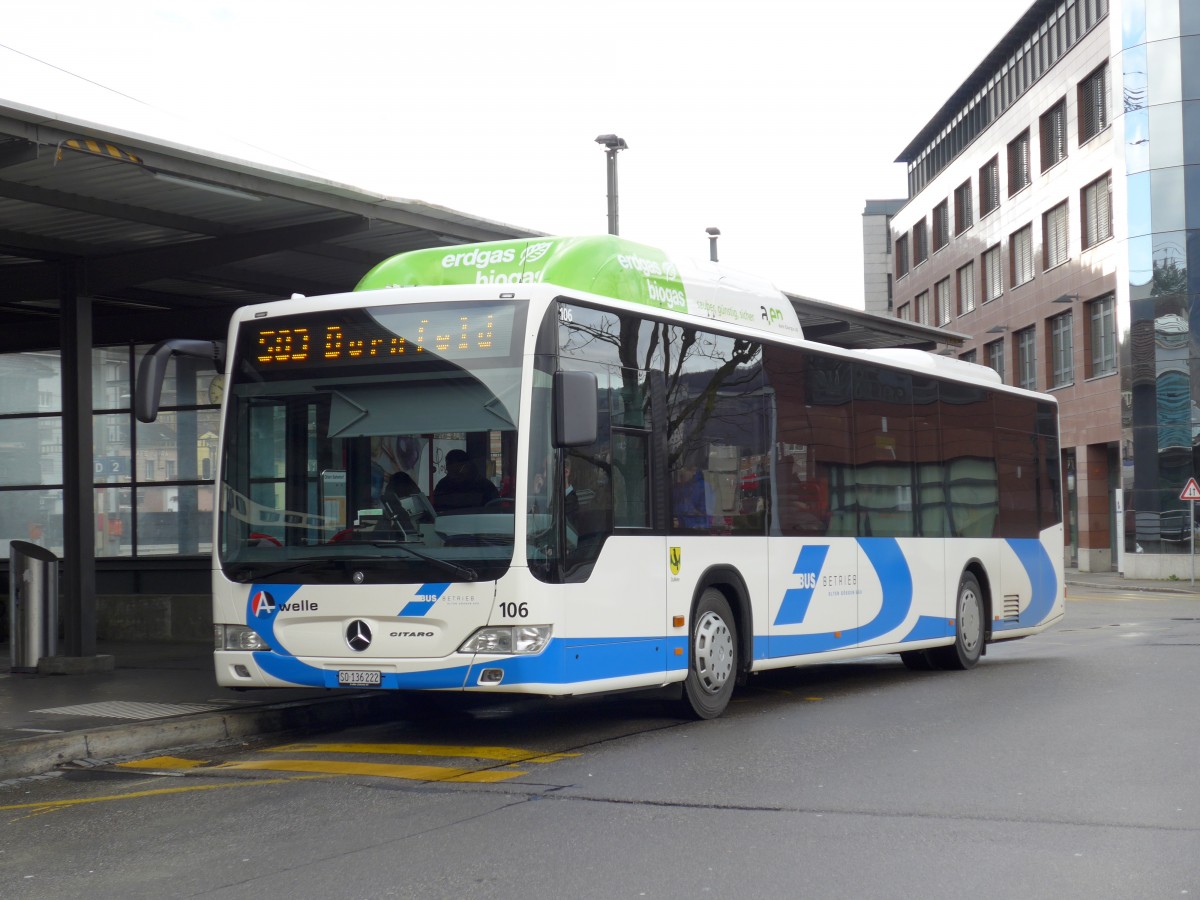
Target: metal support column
{"type": "Point", "coordinates": [79, 519]}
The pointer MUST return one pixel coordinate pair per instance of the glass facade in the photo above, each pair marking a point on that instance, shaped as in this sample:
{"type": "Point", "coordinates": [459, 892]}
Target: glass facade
{"type": "Point", "coordinates": [153, 484]}
{"type": "Point", "coordinates": [1159, 68]}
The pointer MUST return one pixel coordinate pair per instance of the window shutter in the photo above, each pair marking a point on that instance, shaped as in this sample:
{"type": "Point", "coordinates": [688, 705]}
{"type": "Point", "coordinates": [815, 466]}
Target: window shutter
{"type": "Point", "coordinates": [1098, 211]}
{"type": "Point", "coordinates": [1093, 104]}
{"type": "Point", "coordinates": [1055, 229]}
{"type": "Point", "coordinates": [1021, 251]}
{"type": "Point", "coordinates": [966, 288]}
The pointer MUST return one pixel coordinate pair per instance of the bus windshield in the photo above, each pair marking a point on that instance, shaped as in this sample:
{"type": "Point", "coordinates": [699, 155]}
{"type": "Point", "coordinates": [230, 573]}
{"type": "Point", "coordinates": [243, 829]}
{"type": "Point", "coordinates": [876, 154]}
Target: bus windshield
{"type": "Point", "coordinates": [372, 446]}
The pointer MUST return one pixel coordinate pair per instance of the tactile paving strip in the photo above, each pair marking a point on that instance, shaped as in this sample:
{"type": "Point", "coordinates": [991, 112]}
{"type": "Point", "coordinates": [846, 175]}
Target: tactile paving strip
{"type": "Point", "coordinates": [126, 709]}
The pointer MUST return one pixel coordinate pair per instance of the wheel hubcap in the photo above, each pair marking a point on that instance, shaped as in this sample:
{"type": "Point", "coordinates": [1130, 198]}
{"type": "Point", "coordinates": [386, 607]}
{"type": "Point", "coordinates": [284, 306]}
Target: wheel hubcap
{"type": "Point", "coordinates": [714, 652]}
{"type": "Point", "coordinates": [969, 620]}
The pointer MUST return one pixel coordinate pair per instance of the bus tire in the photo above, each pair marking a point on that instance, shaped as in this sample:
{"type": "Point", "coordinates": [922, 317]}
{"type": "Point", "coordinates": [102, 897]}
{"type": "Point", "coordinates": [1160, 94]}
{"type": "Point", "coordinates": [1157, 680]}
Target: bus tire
{"type": "Point", "coordinates": [969, 618]}
{"type": "Point", "coordinates": [712, 657]}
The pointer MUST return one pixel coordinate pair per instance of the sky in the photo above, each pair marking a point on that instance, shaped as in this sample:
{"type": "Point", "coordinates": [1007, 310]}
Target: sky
{"type": "Point", "coordinates": [772, 121]}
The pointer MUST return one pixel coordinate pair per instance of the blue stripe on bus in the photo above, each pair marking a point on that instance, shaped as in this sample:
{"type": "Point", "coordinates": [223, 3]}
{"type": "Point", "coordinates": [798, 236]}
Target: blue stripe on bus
{"type": "Point", "coordinates": [429, 594]}
{"type": "Point", "coordinates": [801, 644]}
{"type": "Point", "coordinates": [564, 661]}
{"type": "Point", "coordinates": [263, 605]}
{"type": "Point", "coordinates": [895, 579]}
{"type": "Point", "coordinates": [576, 660]}
{"type": "Point", "coordinates": [1042, 579]}
{"type": "Point", "coordinates": [808, 566]}
{"type": "Point", "coordinates": [928, 628]}
{"type": "Point", "coordinates": [292, 670]}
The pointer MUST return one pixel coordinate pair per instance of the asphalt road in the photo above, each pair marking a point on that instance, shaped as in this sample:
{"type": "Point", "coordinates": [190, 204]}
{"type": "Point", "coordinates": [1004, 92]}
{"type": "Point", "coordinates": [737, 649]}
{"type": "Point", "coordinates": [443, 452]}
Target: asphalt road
{"type": "Point", "coordinates": [1063, 766]}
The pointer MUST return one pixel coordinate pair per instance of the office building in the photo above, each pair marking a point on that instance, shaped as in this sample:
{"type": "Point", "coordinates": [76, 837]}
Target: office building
{"type": "Point", "coordinates": [1054, 205]}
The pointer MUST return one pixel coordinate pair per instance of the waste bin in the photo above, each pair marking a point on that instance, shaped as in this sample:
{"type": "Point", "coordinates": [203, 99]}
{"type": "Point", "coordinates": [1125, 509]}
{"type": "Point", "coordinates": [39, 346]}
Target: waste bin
{"type": "Point", "coordinates": [33, 604]}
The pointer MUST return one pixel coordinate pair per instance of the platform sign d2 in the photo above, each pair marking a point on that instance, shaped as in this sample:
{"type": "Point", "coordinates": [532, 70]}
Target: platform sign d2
{"type": "Point", "coordinates": [1191, 490]}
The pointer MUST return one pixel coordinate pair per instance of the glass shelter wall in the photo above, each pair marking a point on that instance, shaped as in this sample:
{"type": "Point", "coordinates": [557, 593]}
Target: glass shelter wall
{"type": "Point", "coordinates": [153, 484]}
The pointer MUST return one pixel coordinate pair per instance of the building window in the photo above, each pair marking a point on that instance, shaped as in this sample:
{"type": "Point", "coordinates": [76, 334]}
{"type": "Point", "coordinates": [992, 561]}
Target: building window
{"type": "Point", "coordinates": [941, 226]}
{"type": "Point", "coordinates": [966, 288]}
{"type": "Point", "coordinates": [1026, 359]}
{"type": "Point", "coordinates": [1054, 235]}
{"type": "Point", "coordinates": [962, 207]}
{"type": "Point", "coordinates": [902, 256]}
{"type": "Point", "coordinates": [995, 356]}
{"type": "Point", "coordinates": [920, 237]}
{"type": "Point", "coordinates": [923, 307]}
{"type": "Point", "coordinates": [969, 356]}
{"type": "Point", "coordinates": [941, 294]}
{"type": "Point", "coordinates": [1053, 128]}
{"type": "Point", "coordinates": [1020, 253]}
{"type": "Point", "coordinates": [1062, 351]}
{"type": "Point", "coordinates": [1093, 104]}
{"type": "Point", "coordinates": [1103, 334]}
{"type": "Point", "coordinates": [989, 186]}
{"type": "Point", "coordinates": [993, 279]}
{"type": "Point", "coordinates": [904, 312]}
{"type": "Point", "coordinates": [1018, 163]}
{"type": "Point", "coordinates": [1097, 211]}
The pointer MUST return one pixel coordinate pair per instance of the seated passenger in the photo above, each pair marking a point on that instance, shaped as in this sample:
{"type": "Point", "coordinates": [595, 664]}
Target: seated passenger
{"type": "Point", "coordinates": [404, 503]}
{"type": "Point", "coordinates": [463, 487]}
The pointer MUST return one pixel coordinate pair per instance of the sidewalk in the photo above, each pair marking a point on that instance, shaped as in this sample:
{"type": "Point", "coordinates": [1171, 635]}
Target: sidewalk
{"type": "Point", "coordinates": [163, 695]}
{"type": "Point", "coordinates": [158, 696]}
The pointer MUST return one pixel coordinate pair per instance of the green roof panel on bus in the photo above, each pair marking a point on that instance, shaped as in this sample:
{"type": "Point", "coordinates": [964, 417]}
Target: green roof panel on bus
{"type": "Point", "coordinates": [605, 265]}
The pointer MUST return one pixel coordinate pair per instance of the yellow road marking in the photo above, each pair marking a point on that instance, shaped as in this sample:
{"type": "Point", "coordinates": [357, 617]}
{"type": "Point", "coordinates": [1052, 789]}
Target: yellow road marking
{"type": "Point", "coordinates": [381, 770]}
{"type": "Point", "coordinates": [502, 754]}
{"type": "Point", "coordinates": [46, 805]}
{"type": "Point", "coordinates": [162, 762]}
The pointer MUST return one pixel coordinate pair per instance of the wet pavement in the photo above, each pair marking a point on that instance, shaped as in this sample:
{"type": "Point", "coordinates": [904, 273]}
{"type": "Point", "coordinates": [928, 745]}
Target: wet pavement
{"type": "Point", "coordinates": [159, 696]}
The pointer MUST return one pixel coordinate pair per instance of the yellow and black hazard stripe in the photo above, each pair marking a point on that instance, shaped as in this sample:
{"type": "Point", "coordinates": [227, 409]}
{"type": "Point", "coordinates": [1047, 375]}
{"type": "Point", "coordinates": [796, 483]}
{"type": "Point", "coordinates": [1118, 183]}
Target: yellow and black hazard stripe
{"type": "Point", "coordinates": [97, 148]}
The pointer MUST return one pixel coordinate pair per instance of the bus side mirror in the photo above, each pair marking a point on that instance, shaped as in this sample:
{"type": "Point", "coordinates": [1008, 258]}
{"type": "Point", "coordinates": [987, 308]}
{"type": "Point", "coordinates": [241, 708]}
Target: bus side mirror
{"type": "Point", "coordinates": [153, 370]}
{"type": "Point", "coordinates": [575, 409]}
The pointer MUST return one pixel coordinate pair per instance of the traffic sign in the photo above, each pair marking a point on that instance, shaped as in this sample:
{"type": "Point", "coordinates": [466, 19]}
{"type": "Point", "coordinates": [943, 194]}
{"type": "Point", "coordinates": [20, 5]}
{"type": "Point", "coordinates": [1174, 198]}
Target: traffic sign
{"type": "Point", "coordinates": [1192, 491]}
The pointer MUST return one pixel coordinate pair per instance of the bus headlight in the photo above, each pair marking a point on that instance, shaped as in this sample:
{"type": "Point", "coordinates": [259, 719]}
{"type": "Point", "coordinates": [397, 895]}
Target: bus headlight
{"type": "Point", "coordinates": [508, 639]}
{"type": "Point", "coordinates": [238, 637]}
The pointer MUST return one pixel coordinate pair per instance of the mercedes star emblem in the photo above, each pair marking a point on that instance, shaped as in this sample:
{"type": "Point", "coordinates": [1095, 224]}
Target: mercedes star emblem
{"type": "Point", "coordinates": [358, 635]}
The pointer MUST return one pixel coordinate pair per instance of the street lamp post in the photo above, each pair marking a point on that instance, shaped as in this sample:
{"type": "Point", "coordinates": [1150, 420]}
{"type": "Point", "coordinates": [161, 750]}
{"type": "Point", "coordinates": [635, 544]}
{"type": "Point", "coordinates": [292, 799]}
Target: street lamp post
{"type": "Point", "coordinates": [713, 234]}
{"type": "Point", "coordinates": [613, 145]}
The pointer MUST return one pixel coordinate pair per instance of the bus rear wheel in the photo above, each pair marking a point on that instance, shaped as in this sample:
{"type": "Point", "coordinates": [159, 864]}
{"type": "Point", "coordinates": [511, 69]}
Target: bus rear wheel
{"type": "Point", "coordinates": [712, 657]}
{"type": "Point", "coordinates": [969, 617]}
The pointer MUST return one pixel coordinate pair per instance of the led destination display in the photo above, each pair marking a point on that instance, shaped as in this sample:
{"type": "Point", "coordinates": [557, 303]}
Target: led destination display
{"type": "Point", "coordinates": [393, 334]}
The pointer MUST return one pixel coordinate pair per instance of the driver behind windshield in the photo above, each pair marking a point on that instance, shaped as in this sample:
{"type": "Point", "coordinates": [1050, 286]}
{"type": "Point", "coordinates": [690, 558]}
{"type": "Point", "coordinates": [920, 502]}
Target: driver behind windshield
{"type": "Point", "coordinates": [463, 487]}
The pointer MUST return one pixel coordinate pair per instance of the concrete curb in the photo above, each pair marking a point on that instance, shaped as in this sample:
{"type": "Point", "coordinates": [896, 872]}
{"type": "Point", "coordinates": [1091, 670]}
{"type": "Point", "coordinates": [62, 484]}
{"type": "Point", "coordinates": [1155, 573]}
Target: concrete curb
{"type": "Point", "coordinates": [38, 755]}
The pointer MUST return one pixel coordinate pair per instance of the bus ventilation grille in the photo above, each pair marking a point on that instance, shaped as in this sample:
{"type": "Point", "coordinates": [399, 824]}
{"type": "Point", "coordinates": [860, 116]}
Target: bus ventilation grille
{"type": "Point", "coordinates": [1012, 607]}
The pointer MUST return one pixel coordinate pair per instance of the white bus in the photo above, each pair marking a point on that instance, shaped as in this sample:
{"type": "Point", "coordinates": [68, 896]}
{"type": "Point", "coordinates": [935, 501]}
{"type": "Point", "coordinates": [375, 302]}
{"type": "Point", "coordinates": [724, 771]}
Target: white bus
{"type": "Point", "coordinates": [567, 465]}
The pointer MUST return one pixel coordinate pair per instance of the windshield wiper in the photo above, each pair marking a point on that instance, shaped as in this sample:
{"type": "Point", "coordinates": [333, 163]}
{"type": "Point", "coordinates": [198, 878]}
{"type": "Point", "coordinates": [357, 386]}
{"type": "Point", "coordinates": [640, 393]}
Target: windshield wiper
{"type": "Point", "coordinates": [248, 572]}
{"type": "Point", "coordinates": [464, 573]}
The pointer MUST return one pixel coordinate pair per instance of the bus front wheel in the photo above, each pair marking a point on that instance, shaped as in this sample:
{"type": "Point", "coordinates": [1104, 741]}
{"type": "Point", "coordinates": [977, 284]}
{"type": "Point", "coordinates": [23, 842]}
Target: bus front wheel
{"type": "Point", "coordinates": [712, 657]}
{"type": "Point", "coordinates": [969, 618]}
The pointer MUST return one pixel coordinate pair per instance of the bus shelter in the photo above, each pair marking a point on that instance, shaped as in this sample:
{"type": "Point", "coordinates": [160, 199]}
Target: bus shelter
{"type": "Point", "coordinates": [111, 241]}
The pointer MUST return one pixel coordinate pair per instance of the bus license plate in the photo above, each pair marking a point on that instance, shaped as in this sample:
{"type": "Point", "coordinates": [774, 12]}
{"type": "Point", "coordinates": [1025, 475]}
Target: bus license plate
{"type": "Point", "coordinates": [359, 678]}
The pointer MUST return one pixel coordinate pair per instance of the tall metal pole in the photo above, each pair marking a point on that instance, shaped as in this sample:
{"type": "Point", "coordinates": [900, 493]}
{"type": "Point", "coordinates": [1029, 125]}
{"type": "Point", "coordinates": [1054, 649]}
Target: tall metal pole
{"type": "Point", "coordinates": [613, 145]}
{"type": "Point", "coordinates": [614, 226]}
{"type": "Point", "coordinates": [713, 234]}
